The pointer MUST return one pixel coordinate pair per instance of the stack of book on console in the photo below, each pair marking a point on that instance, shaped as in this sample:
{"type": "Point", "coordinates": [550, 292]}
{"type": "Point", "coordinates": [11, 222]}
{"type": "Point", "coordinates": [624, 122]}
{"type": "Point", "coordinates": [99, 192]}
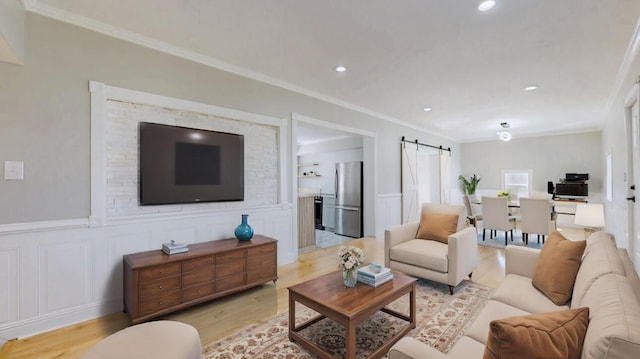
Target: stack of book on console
{"type": "Point", "coordinates": [173, 247]}
{"type": "Point", "coordinates": [374, 275]}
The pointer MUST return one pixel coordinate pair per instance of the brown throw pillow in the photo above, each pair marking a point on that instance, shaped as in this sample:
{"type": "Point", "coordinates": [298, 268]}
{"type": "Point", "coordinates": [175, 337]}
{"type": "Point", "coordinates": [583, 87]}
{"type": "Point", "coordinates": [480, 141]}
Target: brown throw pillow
{"type": "Point", "coordinates": [557, 267]}
{"type": "Point", "coordinates": [437, 226]}
{"type": "Point", "coordinates": [545, 335]}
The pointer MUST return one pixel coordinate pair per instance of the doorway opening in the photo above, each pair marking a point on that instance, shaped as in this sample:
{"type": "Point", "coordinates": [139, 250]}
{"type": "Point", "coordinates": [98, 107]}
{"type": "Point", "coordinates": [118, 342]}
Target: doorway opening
{"type": "Point", "coordinates": [320, 152]}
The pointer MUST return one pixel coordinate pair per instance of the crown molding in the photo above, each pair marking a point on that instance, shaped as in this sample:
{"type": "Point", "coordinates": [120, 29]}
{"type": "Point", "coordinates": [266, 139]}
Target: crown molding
{"type": "Point", "coordinates": [37, 7]}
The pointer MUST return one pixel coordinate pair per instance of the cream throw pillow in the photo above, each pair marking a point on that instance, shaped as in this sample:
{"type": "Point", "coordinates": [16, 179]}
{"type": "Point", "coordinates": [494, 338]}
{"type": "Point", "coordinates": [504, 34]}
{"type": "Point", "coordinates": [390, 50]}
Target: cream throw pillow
{"type": "Point", "coordinates": [557, 267]}
{"type": "Point", "coordinates": [553, 335]}
{"type": "Point", "coordinates": [437, 226]}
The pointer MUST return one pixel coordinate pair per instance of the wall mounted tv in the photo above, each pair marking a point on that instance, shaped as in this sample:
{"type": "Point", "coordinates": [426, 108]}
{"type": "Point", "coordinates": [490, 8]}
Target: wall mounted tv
{"type": "Point", "coordinates": [187, 165]}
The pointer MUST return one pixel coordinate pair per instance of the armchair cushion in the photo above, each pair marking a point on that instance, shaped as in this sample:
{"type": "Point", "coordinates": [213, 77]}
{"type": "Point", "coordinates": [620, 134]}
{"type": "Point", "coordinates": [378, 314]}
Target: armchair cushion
{"type": "Point", "coordinates": [425, 254]}
{"type": "Point", "coordinates": [546, 335]}
{"type": "Point", "coordinates": [437, 226]}
{"type": "Point", "coordinates": [557, 267]}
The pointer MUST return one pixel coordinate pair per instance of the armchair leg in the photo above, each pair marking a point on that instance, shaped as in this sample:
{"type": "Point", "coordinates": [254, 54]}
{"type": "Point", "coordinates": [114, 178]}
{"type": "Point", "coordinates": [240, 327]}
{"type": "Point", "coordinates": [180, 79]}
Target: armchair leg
{"type": "Point", "coordinates": [470, 275]}
{"type": "Point", "coordinates": [451, 289]}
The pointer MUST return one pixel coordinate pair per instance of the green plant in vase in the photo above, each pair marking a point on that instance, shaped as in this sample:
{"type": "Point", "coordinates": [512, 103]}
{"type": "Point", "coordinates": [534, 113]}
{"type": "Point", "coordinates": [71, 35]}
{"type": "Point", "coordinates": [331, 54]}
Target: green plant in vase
{"type": "Point", "coordinates": [469, 185]}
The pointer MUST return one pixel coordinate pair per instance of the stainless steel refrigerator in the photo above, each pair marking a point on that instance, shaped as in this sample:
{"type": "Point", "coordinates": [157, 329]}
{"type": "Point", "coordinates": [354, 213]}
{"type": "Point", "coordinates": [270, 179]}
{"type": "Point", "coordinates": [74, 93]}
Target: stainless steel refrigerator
{"type": "Point", "coordinates": [348, 187]}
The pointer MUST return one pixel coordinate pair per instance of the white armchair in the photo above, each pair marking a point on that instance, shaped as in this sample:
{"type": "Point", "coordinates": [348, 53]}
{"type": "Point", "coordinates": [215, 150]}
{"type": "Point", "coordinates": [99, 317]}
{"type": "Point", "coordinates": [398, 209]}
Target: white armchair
{"type": "Point", "coordinates": [447, 263]}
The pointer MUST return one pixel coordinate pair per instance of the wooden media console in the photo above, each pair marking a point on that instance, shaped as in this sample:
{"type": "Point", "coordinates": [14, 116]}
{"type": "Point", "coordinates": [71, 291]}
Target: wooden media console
{"type": "Point", "coordinates": [156, 283]}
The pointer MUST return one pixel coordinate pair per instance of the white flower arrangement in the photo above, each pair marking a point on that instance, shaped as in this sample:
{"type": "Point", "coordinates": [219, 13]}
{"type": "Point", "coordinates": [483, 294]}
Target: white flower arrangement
{"type": "Point", "coordinates": [350, 257]}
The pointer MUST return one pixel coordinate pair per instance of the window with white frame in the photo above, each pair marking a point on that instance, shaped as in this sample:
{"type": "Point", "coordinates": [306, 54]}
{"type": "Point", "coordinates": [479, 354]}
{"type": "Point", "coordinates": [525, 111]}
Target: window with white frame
{"type": "Point", "coordinates": [517, 182]}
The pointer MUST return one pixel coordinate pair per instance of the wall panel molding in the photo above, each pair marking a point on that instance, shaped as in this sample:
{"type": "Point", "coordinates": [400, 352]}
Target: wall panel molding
{"type": "Point", "coordinates": [70, 275]}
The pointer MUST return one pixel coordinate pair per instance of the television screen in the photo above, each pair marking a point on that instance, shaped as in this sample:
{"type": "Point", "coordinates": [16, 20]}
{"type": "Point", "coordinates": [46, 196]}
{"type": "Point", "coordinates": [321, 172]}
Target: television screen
{"type": "Point", "coordinates": [570, 189]}
{"type": "Point", "coordinates": [187, 165]}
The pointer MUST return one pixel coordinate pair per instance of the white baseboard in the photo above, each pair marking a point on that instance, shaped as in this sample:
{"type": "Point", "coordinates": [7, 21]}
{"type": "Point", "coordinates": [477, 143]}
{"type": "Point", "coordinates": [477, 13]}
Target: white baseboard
{"type": "Point", "coordinates": [45, 323]}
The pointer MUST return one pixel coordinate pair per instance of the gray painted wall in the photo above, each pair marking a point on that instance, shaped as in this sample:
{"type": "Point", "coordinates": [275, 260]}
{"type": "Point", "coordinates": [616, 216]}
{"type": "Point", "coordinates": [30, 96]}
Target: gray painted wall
{"type": "Point", "coordinates": [614, 142]}
{"type": "Point", "coordinates": [549, 158]}
{"type": "Point", "coordinates": [44, 111]}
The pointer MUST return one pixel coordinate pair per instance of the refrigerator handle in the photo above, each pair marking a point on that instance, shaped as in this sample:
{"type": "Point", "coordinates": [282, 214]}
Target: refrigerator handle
{"type": "Point", "coordinates": [335, 184]}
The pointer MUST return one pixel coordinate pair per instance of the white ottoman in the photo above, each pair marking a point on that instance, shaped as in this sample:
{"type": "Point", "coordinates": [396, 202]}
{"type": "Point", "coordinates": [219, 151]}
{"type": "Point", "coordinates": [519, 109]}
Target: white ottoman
{"type": "Point", "coordinates": [160, 339]}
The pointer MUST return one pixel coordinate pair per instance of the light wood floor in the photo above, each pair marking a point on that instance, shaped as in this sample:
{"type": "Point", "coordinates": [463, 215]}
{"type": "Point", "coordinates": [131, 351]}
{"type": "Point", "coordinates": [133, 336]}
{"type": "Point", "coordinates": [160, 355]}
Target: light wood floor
{"type": "Point", "coordinates": [223, 316]}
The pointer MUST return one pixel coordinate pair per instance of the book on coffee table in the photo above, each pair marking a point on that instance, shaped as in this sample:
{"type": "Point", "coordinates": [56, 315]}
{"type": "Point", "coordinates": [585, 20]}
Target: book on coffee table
{"type": "Point", "coordinates": [374, 275]}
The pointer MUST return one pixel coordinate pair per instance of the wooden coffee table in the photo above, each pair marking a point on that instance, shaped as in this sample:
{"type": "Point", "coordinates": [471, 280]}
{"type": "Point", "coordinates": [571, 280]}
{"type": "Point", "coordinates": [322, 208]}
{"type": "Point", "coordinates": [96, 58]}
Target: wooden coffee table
{"type": "Point", "coordinates": [328, 296]}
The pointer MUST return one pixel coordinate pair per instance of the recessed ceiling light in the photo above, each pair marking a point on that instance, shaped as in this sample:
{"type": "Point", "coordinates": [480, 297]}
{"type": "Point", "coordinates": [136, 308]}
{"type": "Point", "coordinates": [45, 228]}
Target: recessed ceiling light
{"type": "Point", "coordinates": [426, 109]}
{"type": "Point", "coordinates": [486, 5]}
{"type": "Point", "coordinates": [341, 69]}
{"type": "Point", "coordinates": [530, 88]}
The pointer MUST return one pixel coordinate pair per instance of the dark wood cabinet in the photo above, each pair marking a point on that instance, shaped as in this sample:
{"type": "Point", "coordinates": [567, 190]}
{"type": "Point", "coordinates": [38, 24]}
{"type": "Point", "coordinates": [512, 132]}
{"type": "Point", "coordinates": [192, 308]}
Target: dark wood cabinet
{"type": "Point", "coordinates": [157, 284]}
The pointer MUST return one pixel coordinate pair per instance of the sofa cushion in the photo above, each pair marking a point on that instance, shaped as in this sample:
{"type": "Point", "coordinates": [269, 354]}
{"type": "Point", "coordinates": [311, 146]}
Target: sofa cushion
{"type": "Point", "coordinates": [630, 272]}
{"type": "Point", "coordinates": [600, 257]}
{"type": "Point", "coordinates": [466, 348]}
{"type": "Point", "coordinates": [479, 330]}
{"type": "Point", "coordinates": [551, 335]}
{"type": "Point", "coordinates": [614, 328]}
{"type": "Point", "coordinates": [557, 266]}
{"type": "Point", "coordinates": [418, 252]}
{"type": "Point", "coordinates": [437, 226]}
{"type": "Point", "coordinates": [517, 291]}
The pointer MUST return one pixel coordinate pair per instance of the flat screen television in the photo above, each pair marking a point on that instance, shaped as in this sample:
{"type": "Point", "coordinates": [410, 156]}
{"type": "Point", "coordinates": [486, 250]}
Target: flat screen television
{"type": "Point", "coordinates": [572, 189]}
{"type": "Point", "coordinates": [188, 165]}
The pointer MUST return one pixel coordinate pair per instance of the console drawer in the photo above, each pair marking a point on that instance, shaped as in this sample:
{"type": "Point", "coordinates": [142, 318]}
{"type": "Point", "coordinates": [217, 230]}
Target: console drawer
{"type": "Point", "coordinates": [230, 257]}
{"type": "Point", "coordinates": [193, 278]}
{"type": "Point", "coordinates": [261, 261]}
{"type": "Point", "coordinates": [230, 282]}
{"type": "Point", "coordinates": [160, 271]}
{"type": "Point", "coordinates": [198, 291]}
{"type": "Point", "coordinates": [269, 249]}
{"type": "Point", "coordinates": [261, 275]}
{"type": "Point", "coordinates": [159, 286]}
{"type": "Point", "coordinates": [197, 264]}
{"type": "Point", "coordinates": [223, 270]}
{"type": "Point", "coordinates": [155, 304]}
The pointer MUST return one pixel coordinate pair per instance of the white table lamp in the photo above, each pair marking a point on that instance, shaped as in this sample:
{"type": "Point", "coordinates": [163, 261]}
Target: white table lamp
{"type": "Point", "coordinates": [589, 215]}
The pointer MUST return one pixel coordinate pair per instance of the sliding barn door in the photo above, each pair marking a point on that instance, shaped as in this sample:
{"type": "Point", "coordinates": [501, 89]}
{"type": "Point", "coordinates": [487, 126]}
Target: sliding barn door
{"type": "Point", "coordinates": [421, 179]}
{"type": "Point", "coordinates": [445, 176]}
{"type": "Point", "coordinates": [409, 178]}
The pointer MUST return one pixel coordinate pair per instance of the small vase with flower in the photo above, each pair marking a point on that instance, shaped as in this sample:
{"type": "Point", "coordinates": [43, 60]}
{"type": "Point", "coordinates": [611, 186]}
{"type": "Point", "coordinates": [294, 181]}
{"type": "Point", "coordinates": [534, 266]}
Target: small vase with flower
{"type": "Point", "coordinates": [349, 259]}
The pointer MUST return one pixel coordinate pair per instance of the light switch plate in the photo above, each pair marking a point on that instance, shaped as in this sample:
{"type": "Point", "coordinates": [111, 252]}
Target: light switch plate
{"type": "Point", "coordinates": [14, 170]}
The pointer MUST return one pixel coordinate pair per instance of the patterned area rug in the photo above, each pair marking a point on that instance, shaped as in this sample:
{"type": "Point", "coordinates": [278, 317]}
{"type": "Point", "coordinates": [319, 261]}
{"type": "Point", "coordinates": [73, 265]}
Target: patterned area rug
{"type": "Point", "coordinates": [440, 321]}
{"type": "Point", "coordinates": [498, 241]}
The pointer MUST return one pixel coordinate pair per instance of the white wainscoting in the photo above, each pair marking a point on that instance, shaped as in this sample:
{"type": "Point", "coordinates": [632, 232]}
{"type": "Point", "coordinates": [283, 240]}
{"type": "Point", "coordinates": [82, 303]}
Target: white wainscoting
{"type": "Point", "coordinates": [388, 212]}
{"type": "Point", "coordinates": [50, 278]}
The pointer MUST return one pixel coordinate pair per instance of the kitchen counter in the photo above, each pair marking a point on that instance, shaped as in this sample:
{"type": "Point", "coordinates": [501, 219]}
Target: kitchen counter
{"type": "Point", "coordinates": [306, 221]}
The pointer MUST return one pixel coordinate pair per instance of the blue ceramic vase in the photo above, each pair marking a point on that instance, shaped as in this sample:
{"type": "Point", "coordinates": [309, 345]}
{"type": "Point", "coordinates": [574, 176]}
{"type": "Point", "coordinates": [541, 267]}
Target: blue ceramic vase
{"type": "Point", "coordinates": [244, 232]}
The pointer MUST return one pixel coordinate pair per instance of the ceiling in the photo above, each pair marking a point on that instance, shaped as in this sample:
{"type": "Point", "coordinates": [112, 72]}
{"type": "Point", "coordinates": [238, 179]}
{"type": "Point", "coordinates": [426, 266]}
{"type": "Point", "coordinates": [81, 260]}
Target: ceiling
{"type": "Point", "coordinates": [401, 56]}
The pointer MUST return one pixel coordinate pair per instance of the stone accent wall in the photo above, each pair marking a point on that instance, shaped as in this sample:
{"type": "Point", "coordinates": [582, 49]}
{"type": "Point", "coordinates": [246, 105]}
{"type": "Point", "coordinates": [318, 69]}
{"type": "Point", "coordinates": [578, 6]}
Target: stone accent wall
{"type": "Point", "coordinates": [260, 157]}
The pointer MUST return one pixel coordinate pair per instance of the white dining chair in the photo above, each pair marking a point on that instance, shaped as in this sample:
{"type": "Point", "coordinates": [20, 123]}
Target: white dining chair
{"type": "Point", "coordinates": [495, 216]}
{"type": "Point", "coordinates": [472, 216]}
{"type": "Point", "coordinates": [536, 217]}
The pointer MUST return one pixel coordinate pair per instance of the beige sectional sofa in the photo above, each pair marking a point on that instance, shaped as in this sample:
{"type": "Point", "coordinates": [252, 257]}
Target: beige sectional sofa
{"type": "Point", "coordinates": [606, 283]}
